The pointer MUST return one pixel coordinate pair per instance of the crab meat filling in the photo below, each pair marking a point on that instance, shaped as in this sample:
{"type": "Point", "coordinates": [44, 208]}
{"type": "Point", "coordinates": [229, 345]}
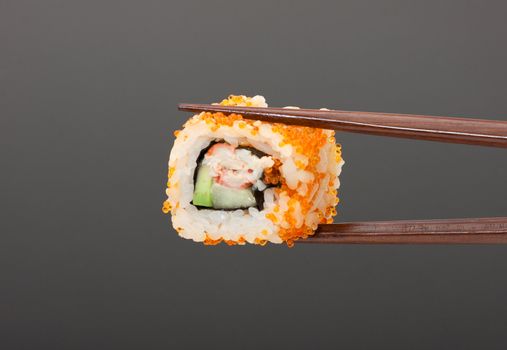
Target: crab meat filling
{"type": "Point", "coordinates": [230, 178]}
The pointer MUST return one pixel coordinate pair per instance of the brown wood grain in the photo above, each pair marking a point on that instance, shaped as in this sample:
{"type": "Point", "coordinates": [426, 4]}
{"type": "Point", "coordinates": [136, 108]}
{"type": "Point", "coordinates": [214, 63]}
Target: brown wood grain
{"type": "Point", "coordinates": [481, 132]}
{"type": "Point", "coordinates": [444, 231]}
{"type": "Point", "coordinates": [444, 129]}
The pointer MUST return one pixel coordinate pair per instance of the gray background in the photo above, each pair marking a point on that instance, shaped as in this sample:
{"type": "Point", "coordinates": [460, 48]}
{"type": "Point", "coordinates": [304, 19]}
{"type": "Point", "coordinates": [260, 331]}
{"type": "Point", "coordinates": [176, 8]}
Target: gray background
{"type": "Point", "coordinates": [87, 109]}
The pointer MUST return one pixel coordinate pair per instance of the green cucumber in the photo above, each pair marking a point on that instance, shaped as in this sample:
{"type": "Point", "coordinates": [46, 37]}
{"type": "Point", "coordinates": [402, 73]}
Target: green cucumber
{"type": "Point", "coordinates": [202, 191]}
{"type": "Point", "coordinates": [231, 198]}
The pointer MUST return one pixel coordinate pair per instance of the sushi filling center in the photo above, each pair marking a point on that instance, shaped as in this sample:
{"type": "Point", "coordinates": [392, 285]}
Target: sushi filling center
{"type": "Point", "coordinates": [229, 177]}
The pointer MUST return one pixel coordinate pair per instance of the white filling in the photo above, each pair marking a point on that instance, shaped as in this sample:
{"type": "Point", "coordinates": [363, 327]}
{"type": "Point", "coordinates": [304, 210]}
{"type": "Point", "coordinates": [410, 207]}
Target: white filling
{"type": "Point", "coordinates": [236, 168]}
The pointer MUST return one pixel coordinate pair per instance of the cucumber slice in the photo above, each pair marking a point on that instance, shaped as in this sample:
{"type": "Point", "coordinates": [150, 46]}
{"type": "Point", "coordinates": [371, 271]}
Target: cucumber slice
{"type": "Point", "coordinates": [202, 191]}
{"type": "Point", "coordinates": [230, 198]}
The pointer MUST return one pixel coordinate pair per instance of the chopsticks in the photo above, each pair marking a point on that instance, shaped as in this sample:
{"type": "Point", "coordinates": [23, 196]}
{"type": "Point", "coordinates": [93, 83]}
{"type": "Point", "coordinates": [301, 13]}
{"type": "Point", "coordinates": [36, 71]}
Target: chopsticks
{"type": "Point", "coordinates": [445, 231]}
{"type": "Point", "coordinates": [492, 133]}
{"type": "Point", "coordinates": [481, 132]}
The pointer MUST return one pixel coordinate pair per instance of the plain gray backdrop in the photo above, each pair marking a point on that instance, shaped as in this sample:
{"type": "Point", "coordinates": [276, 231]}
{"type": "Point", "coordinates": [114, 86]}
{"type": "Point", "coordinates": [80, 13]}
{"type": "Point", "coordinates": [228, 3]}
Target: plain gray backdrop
{"type": "Point", "coordinates": [88, 94]}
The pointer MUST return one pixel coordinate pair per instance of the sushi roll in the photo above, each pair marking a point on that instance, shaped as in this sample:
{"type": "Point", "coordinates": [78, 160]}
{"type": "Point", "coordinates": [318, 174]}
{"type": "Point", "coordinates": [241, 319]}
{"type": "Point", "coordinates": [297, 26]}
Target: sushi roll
{"type": "Point", "coordinates": [238, 181]}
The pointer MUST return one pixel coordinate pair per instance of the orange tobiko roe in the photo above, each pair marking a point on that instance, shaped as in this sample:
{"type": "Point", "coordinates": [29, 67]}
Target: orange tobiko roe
{"type": "Point", "coordinates": [306, 141]}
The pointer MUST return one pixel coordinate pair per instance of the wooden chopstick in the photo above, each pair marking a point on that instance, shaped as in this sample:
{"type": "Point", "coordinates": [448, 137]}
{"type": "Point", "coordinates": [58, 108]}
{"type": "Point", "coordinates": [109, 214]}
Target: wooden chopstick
{"type": "Point", "coordinates": [445, 231]}
{"type": "Point", "coordinates": [481, 132]}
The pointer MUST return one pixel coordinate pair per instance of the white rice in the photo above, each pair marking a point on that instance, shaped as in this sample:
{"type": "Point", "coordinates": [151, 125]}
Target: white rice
{"type": "Point", "coordinates": [249, 225]}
